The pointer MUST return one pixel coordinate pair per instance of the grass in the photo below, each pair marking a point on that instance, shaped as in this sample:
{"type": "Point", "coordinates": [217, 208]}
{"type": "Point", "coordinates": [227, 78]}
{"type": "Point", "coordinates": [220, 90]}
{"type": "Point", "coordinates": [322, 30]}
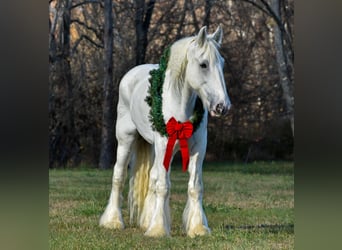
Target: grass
{"type": "Point", "coordinates": [248, 206]}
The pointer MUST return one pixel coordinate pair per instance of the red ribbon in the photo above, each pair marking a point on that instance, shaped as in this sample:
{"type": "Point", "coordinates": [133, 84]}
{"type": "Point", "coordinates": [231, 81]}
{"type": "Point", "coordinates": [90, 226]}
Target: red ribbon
{"type": "Point", "coordinates": [182, 132]}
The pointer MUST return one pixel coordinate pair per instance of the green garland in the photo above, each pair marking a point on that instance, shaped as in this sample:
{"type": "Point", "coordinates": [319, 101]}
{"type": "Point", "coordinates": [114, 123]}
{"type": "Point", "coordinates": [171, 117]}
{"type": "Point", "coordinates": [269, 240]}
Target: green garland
{"type": "Point", "coordinates": [154, 98]}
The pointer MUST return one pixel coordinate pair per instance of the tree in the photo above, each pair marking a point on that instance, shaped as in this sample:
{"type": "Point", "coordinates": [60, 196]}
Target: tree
{"type": "Point", "coordinates": [83, 92]}
{"type": "Point", "coordinates": [64, 142]}
{"type": "Point", "coordinates": [208, 4]}
{"type": "Point", "coordinates": [107, 137]}
{"type": "Point", "coordinates": [284, 77]}
{"type": "Point", "coordinates": [282, 43]}
{"type": "Point", "coordinates": [142, 23]}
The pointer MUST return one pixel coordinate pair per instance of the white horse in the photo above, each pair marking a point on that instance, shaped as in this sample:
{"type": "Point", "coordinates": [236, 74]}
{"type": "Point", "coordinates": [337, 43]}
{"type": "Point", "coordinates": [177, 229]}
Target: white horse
{"type": "Point", "coordinates": [194, 69]}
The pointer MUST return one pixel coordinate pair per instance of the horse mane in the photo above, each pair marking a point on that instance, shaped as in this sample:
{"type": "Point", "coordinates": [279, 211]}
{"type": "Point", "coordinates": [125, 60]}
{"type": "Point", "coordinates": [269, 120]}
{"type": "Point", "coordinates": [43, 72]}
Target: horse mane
{"type": "Point", "coordinates": [178, 57]}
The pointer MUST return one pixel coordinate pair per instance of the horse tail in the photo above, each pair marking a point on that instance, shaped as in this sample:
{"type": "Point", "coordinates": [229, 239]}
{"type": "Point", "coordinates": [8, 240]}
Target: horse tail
{"type": "Point", "coordinates": [141, 164]}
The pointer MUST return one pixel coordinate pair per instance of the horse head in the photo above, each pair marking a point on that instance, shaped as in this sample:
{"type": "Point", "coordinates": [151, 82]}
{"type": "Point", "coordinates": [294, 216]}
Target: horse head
{"type": "Point", "coordinates": [204, 71]}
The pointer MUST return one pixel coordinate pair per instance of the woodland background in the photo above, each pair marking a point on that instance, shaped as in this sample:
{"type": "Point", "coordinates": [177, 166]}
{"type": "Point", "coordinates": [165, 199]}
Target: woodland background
{"type": "Point", "coordinates": [93, 43]}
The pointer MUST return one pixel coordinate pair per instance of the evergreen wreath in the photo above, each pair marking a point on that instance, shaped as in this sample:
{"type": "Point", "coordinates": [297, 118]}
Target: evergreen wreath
{"type": "Point", "coordinates": [154, 98]}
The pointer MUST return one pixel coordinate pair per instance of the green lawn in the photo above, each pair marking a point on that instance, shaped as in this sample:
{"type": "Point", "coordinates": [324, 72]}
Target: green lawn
{"type": "Point", "coordinates": [248, 206]}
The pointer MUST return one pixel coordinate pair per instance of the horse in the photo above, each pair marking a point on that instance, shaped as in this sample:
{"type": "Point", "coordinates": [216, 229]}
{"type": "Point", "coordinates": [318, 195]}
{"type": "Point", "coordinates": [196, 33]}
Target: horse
{"type": "Point", "coordinates": [192, 81]}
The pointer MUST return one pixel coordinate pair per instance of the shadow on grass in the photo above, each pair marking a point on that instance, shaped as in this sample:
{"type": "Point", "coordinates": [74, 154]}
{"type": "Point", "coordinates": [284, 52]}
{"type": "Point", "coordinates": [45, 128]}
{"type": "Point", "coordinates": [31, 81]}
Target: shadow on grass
{"type": "Point", "coordinates": [274, 168]}
{"type": "Point", "coordinates": [276, 228]}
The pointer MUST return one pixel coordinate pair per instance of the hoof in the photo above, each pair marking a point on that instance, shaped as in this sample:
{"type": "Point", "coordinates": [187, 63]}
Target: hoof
{"type": "Point", "coordinates": [156, 232]}
{"type": "Point", "coordinates": [144, 223]}
{"type": "Point", "coordinates": [199, 230]}
{"type": "Point", "coordinates": [111, 224]}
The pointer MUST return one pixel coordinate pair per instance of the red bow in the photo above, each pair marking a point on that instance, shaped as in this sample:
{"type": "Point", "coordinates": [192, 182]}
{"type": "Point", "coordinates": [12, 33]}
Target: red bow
{"type": "Point", "coordinates": [182, 131]}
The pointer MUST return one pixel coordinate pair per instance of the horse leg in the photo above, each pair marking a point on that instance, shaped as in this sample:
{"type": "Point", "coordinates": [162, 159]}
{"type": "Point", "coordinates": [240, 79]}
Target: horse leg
{"type": "Point", "coordinates": [156, 210]}
{"type": "Point", "coordinates": [194, 219]}
{"type": "Point", "coordinates": [126, 136]}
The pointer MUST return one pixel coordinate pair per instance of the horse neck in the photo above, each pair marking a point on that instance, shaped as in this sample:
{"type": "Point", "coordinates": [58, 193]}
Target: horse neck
{"type": "Point", "coordinates": [178, 99]}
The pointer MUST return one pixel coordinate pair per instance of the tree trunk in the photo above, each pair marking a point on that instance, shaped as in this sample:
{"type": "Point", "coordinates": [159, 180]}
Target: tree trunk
{"type": "Point", "coordinates": [107, 137]}
{"type": "Point", "coordinates": [207, 10]}
{"type": "Point", "coordinates": [194, 18]}
{"type": "Point", "coordinates": [142, 24]}
{"type": "Point", "coordinates": [64, 144]}
{"type": "Point", "coordinates": [181, 22]}
{"type": "Point", "coordinates": [285, 80]}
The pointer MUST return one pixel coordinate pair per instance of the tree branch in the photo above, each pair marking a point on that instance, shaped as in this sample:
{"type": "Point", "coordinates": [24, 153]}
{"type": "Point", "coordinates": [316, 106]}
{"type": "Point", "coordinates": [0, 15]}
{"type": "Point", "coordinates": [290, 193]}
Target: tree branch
{"type": "Point", "coordinates": [96, 32]}
{"type": "Point", "coordinates": [83, 24]}
{"type": "Point", "coordinates": [156, 29]}
{"type": "Point", "coordinates": [269, 11]}
{"type": "Point", "coordinates": [181, 22]}
{"type": "Point", "coordinates": [55, 57]}
{"type": "Point", "coordinates": [85, 37]}
{"type": "Point", "coordinates": [192, 9]}
{"type": "Point", "coordinates": [85, 2]}
{"type": "Point", "coordinates": [148, 14]}
{"type": "Point", "coordinates": [207, 10]}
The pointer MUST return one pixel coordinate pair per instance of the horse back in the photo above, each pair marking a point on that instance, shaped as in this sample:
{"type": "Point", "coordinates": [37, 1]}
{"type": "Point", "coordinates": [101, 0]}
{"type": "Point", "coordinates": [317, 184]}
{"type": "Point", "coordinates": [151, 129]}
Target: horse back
{"type": "Point", "coordinates": [136, 78]}
{"type": "Point", "coordinates": [132, 94]}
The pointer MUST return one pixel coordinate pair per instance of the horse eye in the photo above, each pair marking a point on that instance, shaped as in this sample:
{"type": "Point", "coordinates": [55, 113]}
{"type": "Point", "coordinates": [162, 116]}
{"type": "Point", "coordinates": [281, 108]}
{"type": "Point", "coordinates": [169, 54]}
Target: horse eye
{"type": "Point", "coordinates": [203, 65]}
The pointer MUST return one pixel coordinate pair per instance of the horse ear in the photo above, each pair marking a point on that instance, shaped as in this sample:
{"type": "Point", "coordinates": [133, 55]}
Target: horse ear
{"type": "Point", "coordinates": [202, 36]}
{"type": "Point", "coordinates": [217, 36]}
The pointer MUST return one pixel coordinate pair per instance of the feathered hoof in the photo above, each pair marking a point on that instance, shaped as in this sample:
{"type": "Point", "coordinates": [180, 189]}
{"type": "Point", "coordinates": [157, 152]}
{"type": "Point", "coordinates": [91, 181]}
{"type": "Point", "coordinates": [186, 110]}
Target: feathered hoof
{"type": "Point", "coordinates": [157, 231]}
{"type": "Point", "coordinates": [199, 230]}
{"type": "Point", "coordinates": [144, 224]}
{"type": "Point", "coordinates": [112, 224]}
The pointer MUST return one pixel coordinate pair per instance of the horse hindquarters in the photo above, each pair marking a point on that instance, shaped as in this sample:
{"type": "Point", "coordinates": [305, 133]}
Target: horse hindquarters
{"type": "Point", "coordinates": [112, 216]}
{"type": "Point", "coordinates": [126, 136]}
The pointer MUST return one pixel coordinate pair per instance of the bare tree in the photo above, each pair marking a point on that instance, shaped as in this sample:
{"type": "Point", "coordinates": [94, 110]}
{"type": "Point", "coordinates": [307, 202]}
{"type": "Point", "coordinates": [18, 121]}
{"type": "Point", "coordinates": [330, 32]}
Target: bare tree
{"type": "Point", "coordinates": [284, 78]}
{"type": "Point", "coordinates": [258, 53]}
{"type": "Point", "coordinates": [208, 5]}
{"type": "Point", "coordinates": [107, 138]}
{"type": "Point", "coordinates": [282, 43]}
{"type": "Point", "coordinates": [65, 140]}
{"type": "Point", "coordinates": [142, 23]}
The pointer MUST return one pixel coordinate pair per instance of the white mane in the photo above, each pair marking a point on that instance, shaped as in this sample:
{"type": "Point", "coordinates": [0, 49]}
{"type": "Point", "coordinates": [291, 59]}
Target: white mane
{"type": "Point", "coordinates": [178, 56]}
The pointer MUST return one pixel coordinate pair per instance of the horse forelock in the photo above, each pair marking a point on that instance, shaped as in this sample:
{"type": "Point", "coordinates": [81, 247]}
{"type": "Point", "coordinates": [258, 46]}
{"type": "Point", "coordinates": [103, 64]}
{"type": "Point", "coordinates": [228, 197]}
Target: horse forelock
{"type": "Point", "coordinates": [210, 50]}
{"type": "Point", "coordinates": [178, 57]}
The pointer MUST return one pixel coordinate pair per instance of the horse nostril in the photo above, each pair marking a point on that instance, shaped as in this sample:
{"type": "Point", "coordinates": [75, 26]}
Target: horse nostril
{"type": "Point", "coordinates": [219, 108]}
